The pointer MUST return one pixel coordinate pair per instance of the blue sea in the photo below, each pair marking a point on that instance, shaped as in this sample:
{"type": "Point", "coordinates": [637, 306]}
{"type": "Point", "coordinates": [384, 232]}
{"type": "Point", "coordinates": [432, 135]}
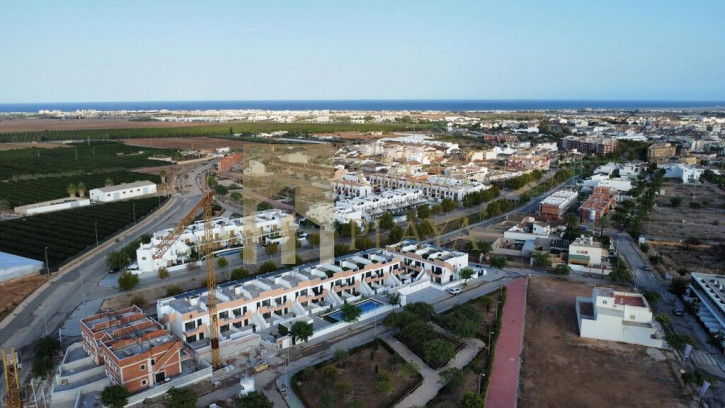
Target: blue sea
{"type": "Point", "coordinates": [366, 105]}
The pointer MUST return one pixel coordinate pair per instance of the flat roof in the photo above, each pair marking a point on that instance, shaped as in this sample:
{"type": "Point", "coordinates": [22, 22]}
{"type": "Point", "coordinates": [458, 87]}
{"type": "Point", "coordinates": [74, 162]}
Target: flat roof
{"type": "Point", "coordinates": [629, 300]}
{"type": "Point", "coordinates": [125, 186]}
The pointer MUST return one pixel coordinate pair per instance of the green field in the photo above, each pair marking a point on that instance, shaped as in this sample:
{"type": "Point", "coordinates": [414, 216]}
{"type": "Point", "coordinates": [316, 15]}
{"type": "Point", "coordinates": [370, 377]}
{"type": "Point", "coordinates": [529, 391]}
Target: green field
{"type": "Point", "coordinates": [247, 128]}
{"type": "Point", "coordinates": [22, 192]}
{"type": "Point", "coordinates": [68, 233]}
{"type": "Point", "coordinates": [97, 155]}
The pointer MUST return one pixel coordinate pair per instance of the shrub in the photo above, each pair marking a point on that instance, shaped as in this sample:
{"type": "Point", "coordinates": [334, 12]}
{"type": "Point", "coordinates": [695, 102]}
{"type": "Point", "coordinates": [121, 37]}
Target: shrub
{"type": "Point", "coordinates": [163, 273]}
{"type": "Point", "coordinates": [138, 300]}
{"type": "Point", "coordinates": [127, 281]}
{"type": "Point", "coordinates": [173, 290]}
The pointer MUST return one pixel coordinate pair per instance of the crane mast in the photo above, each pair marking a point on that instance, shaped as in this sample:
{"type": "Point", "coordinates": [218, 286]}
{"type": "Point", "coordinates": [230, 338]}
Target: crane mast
{"type": "Point", "coordinates": [12, 379]}
{"type": "Point", "coordinates": [216, 358]}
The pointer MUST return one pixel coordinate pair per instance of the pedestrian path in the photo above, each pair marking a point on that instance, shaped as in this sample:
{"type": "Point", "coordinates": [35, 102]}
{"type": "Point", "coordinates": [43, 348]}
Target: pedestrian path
{"type": "Point", "coordinates": [504, 382]}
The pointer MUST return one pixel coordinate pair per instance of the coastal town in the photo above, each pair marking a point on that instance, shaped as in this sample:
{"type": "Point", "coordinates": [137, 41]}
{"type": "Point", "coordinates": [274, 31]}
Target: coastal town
{"type": "Point", "coordinates": [426, 246]}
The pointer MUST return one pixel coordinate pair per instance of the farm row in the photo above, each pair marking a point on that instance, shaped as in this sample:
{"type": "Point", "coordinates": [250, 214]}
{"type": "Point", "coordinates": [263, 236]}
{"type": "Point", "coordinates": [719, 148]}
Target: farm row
{"type": "Point", "coordinates": [67, 233]}
{"type": "Point", "coordinates": [205, 130]}
{"type": "Point", "coordinates": [24, 192]}
{"type": "Point", "coordinates": [14, 164]}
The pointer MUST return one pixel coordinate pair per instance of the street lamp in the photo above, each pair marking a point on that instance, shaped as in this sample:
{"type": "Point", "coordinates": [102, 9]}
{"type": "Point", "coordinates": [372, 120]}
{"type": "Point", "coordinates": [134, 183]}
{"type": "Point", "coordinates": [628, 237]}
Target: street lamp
{"type": "Point", "coordinates": [95, 226]}
{"type": "Point", "coordinates": [47, 267]}
{"type": "Point", "coordinates": [134, 213]}
{"type": "Point", "coordinates": [489, 343]}
{"type": "Point", "coordinates": [483, 375]}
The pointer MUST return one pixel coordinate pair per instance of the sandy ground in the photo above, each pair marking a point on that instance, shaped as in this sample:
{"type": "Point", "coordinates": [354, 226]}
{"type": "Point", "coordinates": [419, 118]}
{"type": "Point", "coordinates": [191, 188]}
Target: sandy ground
{"type": "Point", "coordinates": [185, 143]}
{"type": "Point", "coordinates": [32, 125]}
{"type": "Point", "coordinates": [13, 292]}
{"type": "Point", "coordinates": [25, 145]}
{"type": "Point", "coordinates": [561, 369]}
{"type": "Point", "coordinates": [705, 223]}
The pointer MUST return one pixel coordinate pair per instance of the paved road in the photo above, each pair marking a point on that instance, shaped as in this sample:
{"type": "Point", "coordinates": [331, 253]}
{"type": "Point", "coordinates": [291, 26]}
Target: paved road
{"type": "Point", "coordinates": [47, 312]}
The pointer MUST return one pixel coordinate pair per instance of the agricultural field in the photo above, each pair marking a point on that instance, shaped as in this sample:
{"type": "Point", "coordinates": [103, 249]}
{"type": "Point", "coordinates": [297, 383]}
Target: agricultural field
{"type": "Point", "coordinates": [246, 128]}
{"type": "Point", "coordinates": [374, 375]}
{"type": "Point", "coordinates": [40, 189]}
{"type": "Point", "coordinates": [79, 157]}
{"type": "Point", "coordinates": [67, 233]}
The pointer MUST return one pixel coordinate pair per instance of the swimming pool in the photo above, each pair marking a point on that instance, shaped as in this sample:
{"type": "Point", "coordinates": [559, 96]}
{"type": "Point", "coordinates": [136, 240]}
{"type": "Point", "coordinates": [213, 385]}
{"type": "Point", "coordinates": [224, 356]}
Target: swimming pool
{"type": "Point", "coordinates": [367, 305]}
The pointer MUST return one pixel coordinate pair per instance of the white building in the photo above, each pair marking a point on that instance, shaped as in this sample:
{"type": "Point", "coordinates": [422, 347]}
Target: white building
{"type": "Point", "coordinates": [686, 173]}
{"type": "Point", "coordinates": [617, 316]}
{"type": "Point", "coordinates": [122, 191]}
{"type": "Point", "coordinates": [528, 229]}
{"type": "Point", "coordinates": [370, 206]}
{"type": "Point", "coordinates": [585, 252]}
{"type": "Point", "coordinates": [434, 188]}
{"type": "Point", "coordinates": [270, 224]}
{"type": "Point", "coordinates": [709, 290]}
{"type": "Point", "coordinates": [599, 180]}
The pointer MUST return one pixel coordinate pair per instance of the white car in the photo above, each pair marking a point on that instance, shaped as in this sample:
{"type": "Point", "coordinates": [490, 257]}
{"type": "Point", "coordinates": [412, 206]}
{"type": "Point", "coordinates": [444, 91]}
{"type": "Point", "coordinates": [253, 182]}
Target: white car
{"type": "Point", "coordinates": [454, 291]}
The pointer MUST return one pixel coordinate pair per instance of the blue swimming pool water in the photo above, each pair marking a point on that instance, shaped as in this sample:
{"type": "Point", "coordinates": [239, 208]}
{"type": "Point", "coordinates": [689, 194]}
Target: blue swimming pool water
{"type": "Point", "coordinates": [367, 305]}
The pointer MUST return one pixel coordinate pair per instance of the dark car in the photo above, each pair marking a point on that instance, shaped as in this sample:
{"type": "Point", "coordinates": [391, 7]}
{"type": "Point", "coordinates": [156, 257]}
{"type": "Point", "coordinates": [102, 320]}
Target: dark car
{"type": "Point", "coordinates": [114, 270]}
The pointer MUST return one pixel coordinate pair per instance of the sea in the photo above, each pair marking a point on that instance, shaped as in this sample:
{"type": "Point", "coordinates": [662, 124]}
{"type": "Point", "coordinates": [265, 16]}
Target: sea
{"type": "Point", "coordinates": [451, 105]}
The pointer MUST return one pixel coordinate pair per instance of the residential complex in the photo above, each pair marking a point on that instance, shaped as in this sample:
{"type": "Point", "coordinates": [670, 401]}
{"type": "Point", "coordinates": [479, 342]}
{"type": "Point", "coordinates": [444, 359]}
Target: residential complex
{"type": "Point", "coordinates": [617, 316]}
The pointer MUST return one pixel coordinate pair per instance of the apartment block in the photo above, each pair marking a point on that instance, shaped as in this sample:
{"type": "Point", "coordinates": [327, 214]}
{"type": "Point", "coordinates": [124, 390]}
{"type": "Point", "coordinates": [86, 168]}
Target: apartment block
{"type": "Point", "coordinates": [598, 145]}
{"type": "Point", "coordinates": [660, 152]}
{"type": "Point", "coordinates": [434, 188]}
{"type": "Point", "coordinates": [555, 205]}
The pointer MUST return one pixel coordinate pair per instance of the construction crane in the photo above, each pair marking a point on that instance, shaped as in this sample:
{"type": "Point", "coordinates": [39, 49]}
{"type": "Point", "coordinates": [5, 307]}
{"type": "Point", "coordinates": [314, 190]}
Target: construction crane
{"type": "Point", "coordinates": [12, 378]}
{"type": "Point", "coordinates": [205, 204]}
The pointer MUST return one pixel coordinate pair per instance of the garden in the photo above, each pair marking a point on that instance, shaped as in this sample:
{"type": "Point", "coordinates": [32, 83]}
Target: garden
{"type": "Point", "coordinates": [67, 233]}
{"type": "Point", "coordinates": [372, 376]}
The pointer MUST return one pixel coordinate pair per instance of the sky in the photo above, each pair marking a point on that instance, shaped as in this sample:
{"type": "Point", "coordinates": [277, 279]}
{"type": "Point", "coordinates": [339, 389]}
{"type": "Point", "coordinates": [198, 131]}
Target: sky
{"type": "Point", "coordinates": [75, 51]}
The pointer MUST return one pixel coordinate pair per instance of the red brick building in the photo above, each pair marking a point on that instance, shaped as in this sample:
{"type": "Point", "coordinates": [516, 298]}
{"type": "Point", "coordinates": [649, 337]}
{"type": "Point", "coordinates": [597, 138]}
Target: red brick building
{"type": "Point", "coordinates": [599, 203]}
{"type": "Point", "coordinates": [136, 350]}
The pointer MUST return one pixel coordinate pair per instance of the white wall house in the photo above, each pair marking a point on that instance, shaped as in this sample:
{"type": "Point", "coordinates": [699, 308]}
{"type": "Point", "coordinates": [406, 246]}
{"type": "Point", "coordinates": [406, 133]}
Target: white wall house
{"type": "Point", "coordinates": [370, 206]}
{"type": "Point", "coordinates": [527, 229]}
{"type": "Point", "coordinates": [617, 316]}
{"type": "Point", "coordinates": [686, 173]}
{"type": "Point", "coordinates": [226, 231]}
{"type": "Point", "coordinates": [122, 191]}
{"type": "Point", "coordinates": [585, 252]}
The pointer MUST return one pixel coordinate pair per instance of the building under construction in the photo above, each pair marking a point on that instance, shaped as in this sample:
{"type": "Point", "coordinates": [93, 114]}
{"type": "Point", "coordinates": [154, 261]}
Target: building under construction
{"type": "Point", "coordinates": [598, 204]}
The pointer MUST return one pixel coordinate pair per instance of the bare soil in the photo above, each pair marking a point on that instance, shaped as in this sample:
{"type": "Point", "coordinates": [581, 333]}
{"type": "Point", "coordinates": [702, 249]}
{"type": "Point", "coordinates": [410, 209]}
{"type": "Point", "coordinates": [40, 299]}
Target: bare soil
{"type": "Point", "coordinates": [34, 125]}
{"type": "Point", "coordinates": [359, 372]}
{"type": "Point", "coordinates": [25, 145]}
{"type": "Point", "coordinates": [562, 369]}
{"type": "Point", "coordinates": [14, 291]}
{"type": "Point", "coordinates": [670, 226]}
{"type": "Point", "coordinates": [185, 143]}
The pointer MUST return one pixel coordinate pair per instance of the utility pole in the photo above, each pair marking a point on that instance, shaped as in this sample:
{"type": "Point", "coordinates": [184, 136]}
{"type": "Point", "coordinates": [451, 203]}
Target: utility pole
{"type": "Point", "coordinates": [96, 228]}
{"type": "Point", "coordinates": [47, 267]}
{"type": "Point", "coordinates": [134, 213]}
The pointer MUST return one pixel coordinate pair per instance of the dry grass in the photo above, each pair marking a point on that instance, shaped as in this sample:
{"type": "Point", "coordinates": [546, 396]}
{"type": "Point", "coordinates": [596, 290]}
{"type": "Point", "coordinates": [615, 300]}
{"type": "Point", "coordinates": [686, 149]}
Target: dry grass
{"type": "Point", "coordinates": [14, 291]}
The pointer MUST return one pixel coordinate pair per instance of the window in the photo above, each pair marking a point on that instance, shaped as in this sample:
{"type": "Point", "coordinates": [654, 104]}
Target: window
{"type": "Point", "coordinates": [143, 366]}
{"type": "Point", "coordinates": [143, 382]}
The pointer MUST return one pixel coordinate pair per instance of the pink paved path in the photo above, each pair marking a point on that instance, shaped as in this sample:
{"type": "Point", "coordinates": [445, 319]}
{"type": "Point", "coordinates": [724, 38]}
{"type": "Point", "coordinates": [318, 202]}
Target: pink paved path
{"type": "Point", "coordinates": [502, 390]}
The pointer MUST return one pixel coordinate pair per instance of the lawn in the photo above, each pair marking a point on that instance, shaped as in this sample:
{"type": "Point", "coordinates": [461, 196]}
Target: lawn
{"type": "Point", "coordinates": [23, 192]}
{"type": "Point", "coordinates": [79, 157]}
{"type": "Point", "coordinates": [68, 233]}
{"type": "Point", "coordinates": [372, 376]}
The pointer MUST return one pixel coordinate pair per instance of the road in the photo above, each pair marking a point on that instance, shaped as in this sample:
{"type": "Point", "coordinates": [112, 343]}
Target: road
{"type": "Point", "coordinates": [54, 305]}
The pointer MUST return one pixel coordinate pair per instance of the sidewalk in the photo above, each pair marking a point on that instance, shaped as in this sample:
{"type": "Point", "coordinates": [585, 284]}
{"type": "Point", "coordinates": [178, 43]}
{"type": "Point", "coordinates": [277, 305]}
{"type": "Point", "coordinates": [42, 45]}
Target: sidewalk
{"type": "Point", "coordinates": [504, 382]}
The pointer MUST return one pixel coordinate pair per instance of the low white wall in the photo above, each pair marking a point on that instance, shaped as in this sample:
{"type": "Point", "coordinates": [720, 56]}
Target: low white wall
{"type": "Point", "coordinates": [178, 382]}
{"type": "Point", "coordinates": [71, 394]}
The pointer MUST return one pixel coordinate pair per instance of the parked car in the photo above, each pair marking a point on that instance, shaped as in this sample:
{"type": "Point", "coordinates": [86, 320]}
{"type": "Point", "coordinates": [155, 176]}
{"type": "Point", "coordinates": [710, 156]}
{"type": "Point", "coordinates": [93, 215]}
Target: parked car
{"type": "Point", "coordinates": [677, 310]}
{"type": "Point", "coordinates": [454, 291]}
{"type": "Point", "coordinates": [114, 270]}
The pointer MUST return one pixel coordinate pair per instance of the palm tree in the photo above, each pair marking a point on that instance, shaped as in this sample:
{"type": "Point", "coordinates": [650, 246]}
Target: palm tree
{"type": "Point", "coordinates": [72, 190]}
{"type": "Point", "coordinates": [602, 223]}
{"type": "Point", "coordinates": [162, 175]}
{"type": "Point", "coordinates": [81, 189]}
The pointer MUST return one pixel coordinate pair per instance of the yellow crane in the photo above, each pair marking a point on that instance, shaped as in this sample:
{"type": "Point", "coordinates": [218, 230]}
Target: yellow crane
{"type": "Point", "coordinates": [12, 378]}
{"type": "Point", "coordinates": [206, 203]}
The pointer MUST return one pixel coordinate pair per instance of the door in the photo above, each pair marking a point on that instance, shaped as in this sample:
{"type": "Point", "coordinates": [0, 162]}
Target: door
{"type": "Point", "coordinates": [160, 377]}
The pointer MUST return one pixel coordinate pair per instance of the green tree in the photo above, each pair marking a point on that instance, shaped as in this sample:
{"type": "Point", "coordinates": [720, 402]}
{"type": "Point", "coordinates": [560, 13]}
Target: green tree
{"type": "Point", "coordinates": [72, 189]}
{"type": "Point", "coordinates": [653, 297]}
{"type": "Point", "coordinates": [301, 331]}
{"type": "Point", "coordinates": [327, 400]}
{"type": "Point", "coordinates": [676, 201]}
{"type": "Point", "coordinates": [45, 350]}
{"type": "Point", "coordinates": [313, 239]}
{"type": "Point", "coordinates": [395, 234]}
{"type": "Point", "coordinates": [180, 398]}
{"type": "Point", "coordinates": [267, 267]}
{"type": "Point", "coordinates": [239, 273]}
{"type": "Point", "coordinates": [541, 260]}
{"type": "Point", "coordinates": [117, 260]}
{"type": "Point", "coordinates": [341, 356]}
{"type": "Point", "coordinates": [115, 396]}
{"type": "Point", "coordinates": [438, 351]}
{"type": "Point", "coordinates": [644, 247]}
{"type": "Point", "coordinates": [410, 215]}
{"type": "Point", "coordinates": [466, 274]}
{"type": "Point", "coordinates": [138, 300]}
{"type": "Point", "coordinates": [448, 205]}
{"type": "Point", "coordinates": [602, 223]}
{"type": "Point", "coordinates": [222, 262]}
{"type": "Point", "coordinates": [350, 313]}
{"type": "Point", "coordinates": [81, 189]}
{"type": "Point", "coordinates": [678, 286]}
{"type": "Point", "coordinates": [387, 221]}
{"type": "Point", "coordinates": [127, 281]}
{"type": "Point", "coordinates": [254, 399]}
{"type": "Point", "coordinates": [562, 269]}
{"type": "Point", "coordinates": [393, 298]}
{"type": "Point", "coordinates": [163, 273]}
{"type": "Point", "coordinates": [424, 211]}
{"type": "Point", "coordinates": [472, 400]}
{"type": "Point", "coordinates": [452, 378]}
{"type": "Point", "coordinates": [499, 262]}
{"type": "Point", "coordinates": [271, 249]}
{"type": "Point", "coordinates": [422, 310]}
{"type": "Point", "coordinates": [436, 209]}
{"type": "Point", "coordinates": [664, 320]}
{"type": "Point", "coordinates": [571, 222]}
{"type": "Point", "coordinates": [620, 273]}
{"type": "Point", "coordinates": [329, 372]}
{"type": "Point", "coordinates": [678, 341]}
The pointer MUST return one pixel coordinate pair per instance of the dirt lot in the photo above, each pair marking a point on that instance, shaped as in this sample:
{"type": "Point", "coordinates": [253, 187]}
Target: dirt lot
{"type": "Point", "coordinates": [706, 223]}
{"type": "Point", "coordinates": [13, 292]}
{"type": "Point", "coordinates": [561, 369]}
{"type": "Point", "coordinates": [185, 143]}
{"type": "Point", "coordinates": [25, 145]}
